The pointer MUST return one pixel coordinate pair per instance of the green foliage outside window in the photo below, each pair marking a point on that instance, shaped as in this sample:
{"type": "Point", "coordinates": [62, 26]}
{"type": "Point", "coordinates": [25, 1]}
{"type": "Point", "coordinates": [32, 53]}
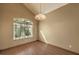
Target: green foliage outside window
{"type": "Point", "coordinates": [22, 28]}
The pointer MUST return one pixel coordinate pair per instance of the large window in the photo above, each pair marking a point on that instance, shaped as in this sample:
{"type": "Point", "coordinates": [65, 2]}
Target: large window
{"type": "Point", "coordinates": [22, 28]}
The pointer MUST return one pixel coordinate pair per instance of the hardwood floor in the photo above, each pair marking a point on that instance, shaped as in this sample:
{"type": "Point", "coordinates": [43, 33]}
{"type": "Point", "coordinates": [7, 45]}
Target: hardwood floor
{"type": "Point", "coordinates": [35, 48]}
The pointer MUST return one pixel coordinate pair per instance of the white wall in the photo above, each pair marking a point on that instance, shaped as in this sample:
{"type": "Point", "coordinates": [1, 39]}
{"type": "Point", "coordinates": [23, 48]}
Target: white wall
{"type": "Point", "coordinates": [61, 28]}
{"type": "Point", "coordinates": [7, 13]}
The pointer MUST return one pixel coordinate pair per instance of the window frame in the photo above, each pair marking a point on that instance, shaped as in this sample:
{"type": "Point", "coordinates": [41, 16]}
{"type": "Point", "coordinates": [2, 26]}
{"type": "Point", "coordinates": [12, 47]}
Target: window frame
{"type": "Point", "coordinates": [29, 28]}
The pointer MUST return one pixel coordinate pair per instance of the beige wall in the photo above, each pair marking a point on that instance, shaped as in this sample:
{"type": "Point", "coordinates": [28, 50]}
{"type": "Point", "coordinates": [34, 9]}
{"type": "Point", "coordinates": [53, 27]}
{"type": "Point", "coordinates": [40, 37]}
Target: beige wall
{"type": "Point", "coordinates": [7, 13]}
{"type": "Point", "coordinates": [61, 28]}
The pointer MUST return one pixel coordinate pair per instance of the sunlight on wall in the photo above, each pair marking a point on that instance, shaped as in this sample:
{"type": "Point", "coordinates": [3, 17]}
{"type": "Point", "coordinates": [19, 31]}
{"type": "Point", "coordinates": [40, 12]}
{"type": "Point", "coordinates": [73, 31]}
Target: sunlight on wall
{"type": "Point", "coordinates": [44, 38]}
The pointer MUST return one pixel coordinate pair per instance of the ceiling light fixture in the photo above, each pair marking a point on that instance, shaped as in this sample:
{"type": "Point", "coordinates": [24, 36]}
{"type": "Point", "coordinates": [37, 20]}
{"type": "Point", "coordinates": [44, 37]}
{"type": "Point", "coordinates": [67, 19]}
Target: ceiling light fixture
{"type": "Point", "coordinates": [40, 16]}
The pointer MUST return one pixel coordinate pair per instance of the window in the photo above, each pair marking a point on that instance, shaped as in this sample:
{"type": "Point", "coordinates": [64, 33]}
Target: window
{"type": "Point", "coordinates": [22, 28]}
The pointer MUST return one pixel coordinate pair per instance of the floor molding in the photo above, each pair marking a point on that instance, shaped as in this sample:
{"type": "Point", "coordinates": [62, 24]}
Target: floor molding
{"type": "Point", "coordinates": [18, 45]}
{"type": "Point", "coordinates": [74, 53]}
{"type": "Point", "coordinates": [61, 48]}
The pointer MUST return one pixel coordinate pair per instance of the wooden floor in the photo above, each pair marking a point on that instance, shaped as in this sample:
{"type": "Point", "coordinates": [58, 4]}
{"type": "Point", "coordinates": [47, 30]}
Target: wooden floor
{"type": "Point", "coordinates": [35, 48]}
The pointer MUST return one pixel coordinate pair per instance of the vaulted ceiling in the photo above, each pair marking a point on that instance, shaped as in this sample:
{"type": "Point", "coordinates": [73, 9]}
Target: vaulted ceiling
{"type": "Point", "coordinates": [45, 7]}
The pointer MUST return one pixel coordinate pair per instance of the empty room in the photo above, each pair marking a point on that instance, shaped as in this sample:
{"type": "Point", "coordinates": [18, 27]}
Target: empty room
{"type": "Point", "coordinates": [39, 28]}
